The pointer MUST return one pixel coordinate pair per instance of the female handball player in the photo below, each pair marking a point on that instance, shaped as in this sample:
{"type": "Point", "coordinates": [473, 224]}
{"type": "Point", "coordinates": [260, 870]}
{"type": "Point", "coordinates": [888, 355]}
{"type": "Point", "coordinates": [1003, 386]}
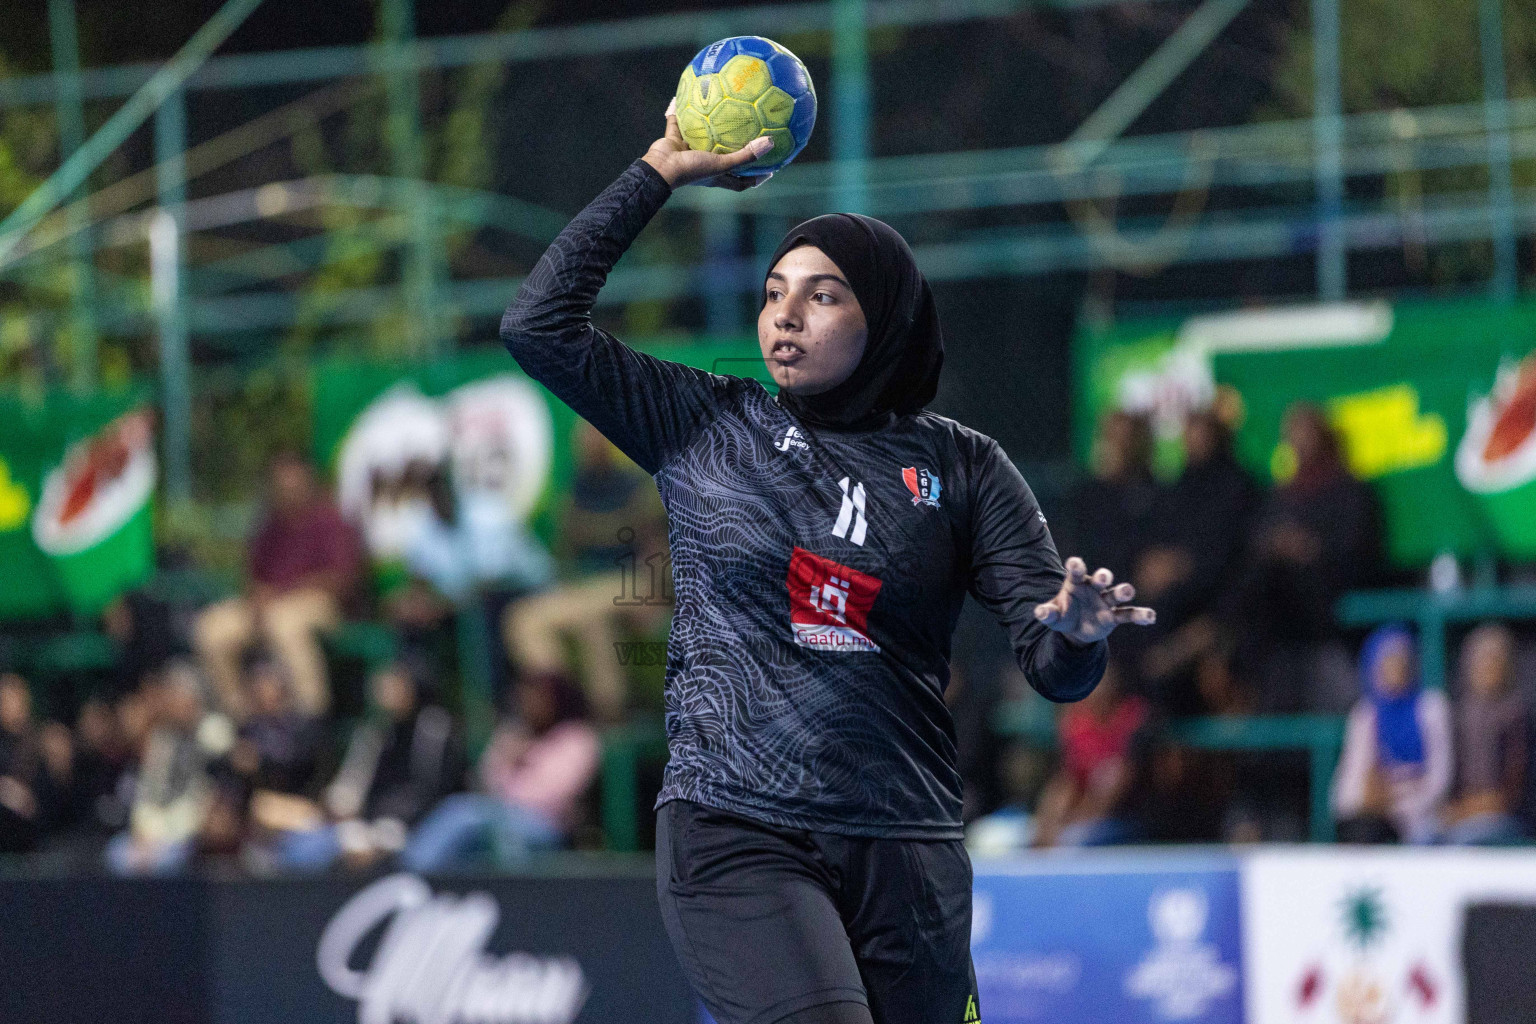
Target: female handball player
{"type": "Point", "coordinates": [809, 858]}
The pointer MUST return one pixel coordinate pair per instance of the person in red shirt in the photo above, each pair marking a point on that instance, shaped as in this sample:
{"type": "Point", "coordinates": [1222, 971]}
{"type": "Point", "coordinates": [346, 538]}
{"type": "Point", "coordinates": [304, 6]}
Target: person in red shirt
{"type": "Point", "coordinates": [1084, 803]}
{"type": "Point", "coordinates": [304, 561]}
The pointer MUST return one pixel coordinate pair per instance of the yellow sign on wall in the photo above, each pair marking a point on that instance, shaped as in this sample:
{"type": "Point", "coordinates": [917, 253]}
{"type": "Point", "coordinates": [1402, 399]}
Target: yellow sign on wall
{"type": "Point", "coordinates": [15, 502]}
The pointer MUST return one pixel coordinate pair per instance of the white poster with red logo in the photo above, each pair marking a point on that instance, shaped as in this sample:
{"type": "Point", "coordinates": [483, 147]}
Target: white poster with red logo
{"type": "Point", "coordinates": [1343, 936]}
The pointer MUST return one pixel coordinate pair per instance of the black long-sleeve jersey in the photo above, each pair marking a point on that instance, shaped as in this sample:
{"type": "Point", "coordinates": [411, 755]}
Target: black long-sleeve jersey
{"type": "Point", "coordinates": [818, 574]}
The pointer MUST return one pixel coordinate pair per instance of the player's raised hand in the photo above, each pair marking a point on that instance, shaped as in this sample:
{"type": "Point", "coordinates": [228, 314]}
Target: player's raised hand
{"type": "Point", "coordinates": [680, 165]}
{"type": "Point", "coordinates": [1088, 608]}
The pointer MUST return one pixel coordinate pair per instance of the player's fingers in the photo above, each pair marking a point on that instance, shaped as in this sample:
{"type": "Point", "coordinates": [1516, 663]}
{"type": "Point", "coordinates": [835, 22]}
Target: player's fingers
{"type": "Point", "coordinates": [1137, 615]}
{"type": "Point", "coordinates": [1123, 592]}
{"type": "Point", "coordinates": [674, 133]}
{"type": "Point", "coordinates": [1076, 569]}
{"type": "Point", "coordinates": [1048, 613]}
{"type": "Point", "coordinates": [1102, 578]}
{"type": "Point", "coordinates": [722, 164]}
{"type": "Point", "coordinates": [758, 147]}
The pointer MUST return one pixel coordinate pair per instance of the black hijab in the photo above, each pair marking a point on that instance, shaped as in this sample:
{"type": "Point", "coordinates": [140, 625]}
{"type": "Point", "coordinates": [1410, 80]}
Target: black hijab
{"type": "Point", "coordinates": [899, 371]}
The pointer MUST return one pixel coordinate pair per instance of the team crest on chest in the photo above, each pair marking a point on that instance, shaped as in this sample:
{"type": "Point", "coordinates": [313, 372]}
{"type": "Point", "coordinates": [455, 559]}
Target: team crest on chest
{"type": "Point", "coordinates": [924, 486]}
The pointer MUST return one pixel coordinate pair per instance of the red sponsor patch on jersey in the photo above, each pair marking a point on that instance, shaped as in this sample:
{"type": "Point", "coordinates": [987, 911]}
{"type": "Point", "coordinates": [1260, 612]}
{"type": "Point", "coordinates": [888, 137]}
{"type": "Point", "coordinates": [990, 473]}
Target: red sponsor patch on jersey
{"type": "Point", "coordinates": [829, 603]}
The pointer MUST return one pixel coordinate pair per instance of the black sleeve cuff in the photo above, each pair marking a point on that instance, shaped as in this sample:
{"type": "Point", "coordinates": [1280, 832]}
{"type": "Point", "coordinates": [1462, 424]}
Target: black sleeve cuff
{"type": "Point", "coordinates": [655, 180]}
{"type": "Point", "coordinates": [1068, 671]}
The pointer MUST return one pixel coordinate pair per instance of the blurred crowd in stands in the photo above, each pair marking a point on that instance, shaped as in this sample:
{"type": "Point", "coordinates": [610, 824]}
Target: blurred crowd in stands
{"type": "Point", "coordinates": [221, 737]}
{"type": "Point", "coordinates": [1246, 580]}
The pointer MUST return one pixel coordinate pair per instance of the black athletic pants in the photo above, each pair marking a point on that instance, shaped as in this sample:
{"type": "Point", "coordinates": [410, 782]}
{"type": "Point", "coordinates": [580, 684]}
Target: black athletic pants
{"type": "Point", "coordinates": [768, 921]}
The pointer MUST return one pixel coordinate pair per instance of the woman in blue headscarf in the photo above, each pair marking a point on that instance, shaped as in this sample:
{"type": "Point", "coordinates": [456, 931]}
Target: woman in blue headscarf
{"type": "Point", "coordinates": [1396, 769]}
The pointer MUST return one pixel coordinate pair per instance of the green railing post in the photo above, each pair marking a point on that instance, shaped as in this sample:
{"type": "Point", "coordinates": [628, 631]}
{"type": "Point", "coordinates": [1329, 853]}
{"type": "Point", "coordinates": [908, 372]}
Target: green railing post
{"type": "Point", "coordinates": [850, 104]}
{"type": "Point", "coordinates": [1432, 658]}
{"type": "Point", "coordinates": [167, 263]}
{"type": "Point", "coordinates": [1323, 755]}
{"type": "Point", "coordinates": [621, 822]}
{"type": "Point", "coordinates": [1501, 187]}
{"type": "Point", "coordinates": [722, 244]}
{"type": "Point", "coordinates": [623, 747]}
{"type": "Point", "coordinates": [1328, 160]}
{"type": "Point", "coordinates": [403, 133]}
{"type": "Point", "coordinates": [69, 110]}
{"type": "Point", "coordinates": [476, 649]}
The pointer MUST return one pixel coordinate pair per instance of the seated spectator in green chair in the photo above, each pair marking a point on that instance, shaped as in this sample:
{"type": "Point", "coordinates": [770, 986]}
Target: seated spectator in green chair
{"type": "Point", "coordinates": [1087, 802]}
{"type": "Point", "coordinates": [304, 564]}
{"type": "Point", "coordinates": [1491, 747]}
{"type": "Point", "coordinates": [532, 777]}
{"type": "Point", "coordinates": [1395, 771]}
{"type": "Point", "coordinates": [173, 786]}
{"type": "Point", "coordinates": [613, 544]}
{"type": "Point", "coordinates": [398, 764]}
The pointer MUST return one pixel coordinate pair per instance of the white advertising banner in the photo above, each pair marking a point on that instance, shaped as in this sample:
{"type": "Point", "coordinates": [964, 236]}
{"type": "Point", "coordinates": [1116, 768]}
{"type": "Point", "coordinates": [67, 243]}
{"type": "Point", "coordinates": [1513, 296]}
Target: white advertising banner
{"type": "Point", "coordinates": [1342, 936]}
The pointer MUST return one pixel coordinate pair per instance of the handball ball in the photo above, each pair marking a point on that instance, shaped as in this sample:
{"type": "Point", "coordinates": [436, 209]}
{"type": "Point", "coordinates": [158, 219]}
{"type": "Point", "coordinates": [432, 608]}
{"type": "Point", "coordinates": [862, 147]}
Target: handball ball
{"type": "Point", "coordinates": [743, 87]}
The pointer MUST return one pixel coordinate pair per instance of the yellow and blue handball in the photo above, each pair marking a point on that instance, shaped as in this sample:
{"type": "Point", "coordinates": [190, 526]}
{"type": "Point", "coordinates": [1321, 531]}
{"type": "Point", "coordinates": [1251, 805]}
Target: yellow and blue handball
{"type": "Point", "coordinates": [743, 87]}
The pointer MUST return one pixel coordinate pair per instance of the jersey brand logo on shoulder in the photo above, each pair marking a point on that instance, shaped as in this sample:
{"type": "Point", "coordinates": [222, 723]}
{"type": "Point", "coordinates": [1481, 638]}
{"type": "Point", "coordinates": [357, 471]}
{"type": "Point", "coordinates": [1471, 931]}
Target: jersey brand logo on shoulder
{"type": "Point", "coordinates": [925, 486]}
{"type": "Point", "coordinates": [792, 439]}
{"type": "Point", "coordinates": [829, 603]}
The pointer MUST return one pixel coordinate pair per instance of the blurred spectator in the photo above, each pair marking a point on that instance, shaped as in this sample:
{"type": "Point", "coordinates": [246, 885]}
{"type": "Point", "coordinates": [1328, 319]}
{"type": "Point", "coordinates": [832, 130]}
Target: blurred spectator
{"type": "Point", "coordinates": [613, 537]}
{"type": "Point", "coordinates": [143, 630]}
{"type": "Point", "coordinates": [278, 746]}
{"type": "Point", "coordinates": [220, 837]}
{"type": "Point", "coordinates": [1197, 535]}
{"type": "Point", "coordinates": [95, 789]}
{"type": "Point", "coordinates": [1264, 792]}
{"type": "Point", "coordinates": [1108, 517]}
{"type": "Point", "coordinates": [468, 553]}
{"type": "Point", "coordinates": [472, 540]}
{"type": "Point", "coordinates": [304, 562]}
{"type": "Point", "coordinates": [1491, 748]}
{"type": "Point", "coordinates": [1395, 771]}
{"type": "Point", "coordinates": [24, 776]}
{"type": "Point", "coordinates": [1317, 536]}
{"type": "Point", "coordinates": [173, 788]}
{"type": "Point", "coordinates": [1086, 802]}
{"type": "Point", "coordinates": [397, 766]}
{"type": "Point", "coordinates": [532, 776]}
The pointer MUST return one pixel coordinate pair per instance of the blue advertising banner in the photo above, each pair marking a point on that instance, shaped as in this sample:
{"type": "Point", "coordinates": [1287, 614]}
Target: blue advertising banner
{"type": "Point", "coordinates": [1132, 939]}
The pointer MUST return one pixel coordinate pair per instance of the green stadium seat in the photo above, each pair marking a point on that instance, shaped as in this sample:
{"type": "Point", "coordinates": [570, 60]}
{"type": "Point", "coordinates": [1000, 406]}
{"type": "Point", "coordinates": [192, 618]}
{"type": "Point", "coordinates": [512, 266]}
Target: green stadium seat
{"type": "Point", "coordinates": [67, 653]}
{"type": "Point", "coordinates": [372, 643]}
{"type": "Point", "coordinates": [624, 748]}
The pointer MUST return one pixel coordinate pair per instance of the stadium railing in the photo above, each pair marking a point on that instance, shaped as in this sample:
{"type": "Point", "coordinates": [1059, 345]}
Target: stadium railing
{"type": "Point", "coordinates": [1320, 736]}
{"type": "Point", "coordinates": [1433, 613]}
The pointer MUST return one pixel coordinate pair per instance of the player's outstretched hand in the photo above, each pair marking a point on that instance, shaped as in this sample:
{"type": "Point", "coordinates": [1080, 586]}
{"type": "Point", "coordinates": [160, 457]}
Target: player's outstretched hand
{"type": "Point", "coordinates": [1088, 608]}
{"type": "Point", "coordinates": [680, 166]}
